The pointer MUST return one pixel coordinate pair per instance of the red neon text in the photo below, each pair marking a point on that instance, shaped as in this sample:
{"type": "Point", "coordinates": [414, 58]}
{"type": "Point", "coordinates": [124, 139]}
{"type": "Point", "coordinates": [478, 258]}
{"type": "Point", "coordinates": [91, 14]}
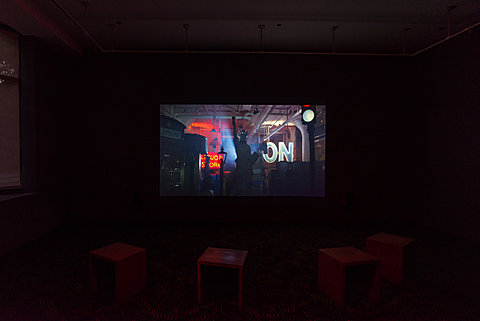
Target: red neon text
{"type": "Point", "coordinates": [214, 160]}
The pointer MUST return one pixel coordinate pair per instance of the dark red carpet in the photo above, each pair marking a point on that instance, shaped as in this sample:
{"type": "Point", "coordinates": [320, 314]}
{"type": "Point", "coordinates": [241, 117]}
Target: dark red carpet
{"type": "Point", "coordinates": [48, 278]}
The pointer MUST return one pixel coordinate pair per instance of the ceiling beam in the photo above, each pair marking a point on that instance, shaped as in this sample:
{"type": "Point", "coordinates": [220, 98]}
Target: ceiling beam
{"type": "Point", "coordinates": [261, 118]}
{"type": "Point", "coordinates": [29, 7]}
{"type": "Point", "coordinates": [417, 20]}
{"type": "Point", "coordinates": [265, 52]}
{"type": "Point", "coordinates": [84, 31]}
{"type": "Point", "coordinates": [206, 110]}
{"type": "Point", "coordinates": [210, 117]}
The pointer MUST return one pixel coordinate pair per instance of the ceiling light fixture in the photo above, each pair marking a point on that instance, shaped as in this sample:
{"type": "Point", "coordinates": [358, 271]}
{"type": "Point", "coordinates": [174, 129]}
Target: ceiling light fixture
{"type": "Point", "coordinates": [405, 40]}
{"type": "Point", "coordinates": [261, 27]}
{"type": "Point", "coordinates": [113, 26]}
{"type": "Point", "coordinates": [85, 4]}
{"type": "Point", "coordinates": [449, 11]}
{"type": "Point", "coordinates": [334, 28]}
{"type": "Point", "coordinates": [186, 26]}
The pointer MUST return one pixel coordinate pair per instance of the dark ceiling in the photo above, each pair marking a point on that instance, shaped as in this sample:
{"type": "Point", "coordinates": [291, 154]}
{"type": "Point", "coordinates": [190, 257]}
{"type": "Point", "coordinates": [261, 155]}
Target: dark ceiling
{"type": "Point", "coordinates": [343, 26]}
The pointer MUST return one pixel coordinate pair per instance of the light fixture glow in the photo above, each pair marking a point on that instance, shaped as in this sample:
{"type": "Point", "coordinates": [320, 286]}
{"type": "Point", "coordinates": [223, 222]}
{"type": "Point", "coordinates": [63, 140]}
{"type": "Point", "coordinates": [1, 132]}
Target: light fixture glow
{"type": "Point", "coordinates": [308, 115]}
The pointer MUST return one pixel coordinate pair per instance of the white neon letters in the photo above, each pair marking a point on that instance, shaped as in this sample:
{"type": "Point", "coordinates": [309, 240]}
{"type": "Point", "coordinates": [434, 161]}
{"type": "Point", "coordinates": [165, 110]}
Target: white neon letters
{"type": "Point", "coordinates": [274, 153]}
{"type": "Point", "coordinates": [282, 152]}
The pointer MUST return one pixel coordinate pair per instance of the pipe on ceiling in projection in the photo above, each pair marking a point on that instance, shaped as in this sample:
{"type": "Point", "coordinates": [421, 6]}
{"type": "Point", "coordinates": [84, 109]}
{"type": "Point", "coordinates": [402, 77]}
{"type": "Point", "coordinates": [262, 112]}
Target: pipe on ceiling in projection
{"type": "Point", "coordinates": [293, 117]}
{"type": "Point", "coordinates": [262, 117]}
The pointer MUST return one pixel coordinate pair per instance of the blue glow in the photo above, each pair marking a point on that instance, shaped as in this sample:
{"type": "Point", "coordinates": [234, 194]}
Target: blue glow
{"type": "Point", "coordinates": [229, 147]}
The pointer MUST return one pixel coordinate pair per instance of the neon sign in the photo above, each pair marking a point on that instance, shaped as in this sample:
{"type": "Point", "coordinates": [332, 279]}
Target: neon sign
{"type": "Point", "coordinates": [214, 162]}
{"type": "Point", "coordinates": [282, 152]}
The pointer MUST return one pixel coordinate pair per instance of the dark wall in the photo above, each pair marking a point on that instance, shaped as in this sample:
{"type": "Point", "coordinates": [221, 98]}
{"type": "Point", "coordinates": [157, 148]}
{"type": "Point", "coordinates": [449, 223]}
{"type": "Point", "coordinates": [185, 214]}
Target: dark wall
{"type": "Point", "coordinates": [449, 105]}
{"type": "Point", "coordinates": [113, 133]}
{"type": "Point", "coordinates": [43, 93]}
{"type": "Point", "coordinates": [401, 136]}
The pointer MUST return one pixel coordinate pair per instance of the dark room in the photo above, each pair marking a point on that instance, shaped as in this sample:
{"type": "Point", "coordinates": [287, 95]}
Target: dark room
{"type": "Point", "coordinates": [239, 160]}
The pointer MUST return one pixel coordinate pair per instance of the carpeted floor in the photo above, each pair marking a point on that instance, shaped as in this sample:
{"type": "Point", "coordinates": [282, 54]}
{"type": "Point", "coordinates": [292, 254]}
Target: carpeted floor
{"type": "Point", "coordinates": [48, 278]}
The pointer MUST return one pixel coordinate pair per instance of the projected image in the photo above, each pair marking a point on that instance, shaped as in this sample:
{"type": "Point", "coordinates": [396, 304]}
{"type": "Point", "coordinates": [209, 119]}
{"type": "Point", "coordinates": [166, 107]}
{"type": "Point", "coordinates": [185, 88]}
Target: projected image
{"type": "Point", "coordinates": [242, 150]}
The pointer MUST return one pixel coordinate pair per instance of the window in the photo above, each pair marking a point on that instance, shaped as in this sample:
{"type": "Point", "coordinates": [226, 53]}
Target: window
{"type": "Point", "coordinates": [9, 111]}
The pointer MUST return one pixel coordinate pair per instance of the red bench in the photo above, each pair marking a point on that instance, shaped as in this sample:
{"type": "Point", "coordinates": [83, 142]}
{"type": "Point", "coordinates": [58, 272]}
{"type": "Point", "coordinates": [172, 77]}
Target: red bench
{"type": "Point", "coordinates": [390, 249]}
{"type": "Point", "coordinates": [227, 258]}
{"type": "Point", "coordinates": [130, 263]}
{"type": "Point", "coordinates": [333, 264]}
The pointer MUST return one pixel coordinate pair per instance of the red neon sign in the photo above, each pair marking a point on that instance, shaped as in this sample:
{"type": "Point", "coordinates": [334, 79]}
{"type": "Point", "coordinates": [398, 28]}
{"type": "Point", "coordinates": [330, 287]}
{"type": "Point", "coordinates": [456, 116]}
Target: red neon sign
{"type": "Point", "coordinates": [214, 161]}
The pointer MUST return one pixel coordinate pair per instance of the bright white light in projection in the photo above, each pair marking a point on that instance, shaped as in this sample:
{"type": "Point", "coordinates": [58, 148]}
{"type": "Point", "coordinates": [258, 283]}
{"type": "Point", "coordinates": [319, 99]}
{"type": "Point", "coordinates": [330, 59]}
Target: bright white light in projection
{"type": "Point", "coordinates": [272, 158]}
{"type": "Point", "coordinates": [308, 115]}
{"type": "Point", "coordinates": [285, 154]}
